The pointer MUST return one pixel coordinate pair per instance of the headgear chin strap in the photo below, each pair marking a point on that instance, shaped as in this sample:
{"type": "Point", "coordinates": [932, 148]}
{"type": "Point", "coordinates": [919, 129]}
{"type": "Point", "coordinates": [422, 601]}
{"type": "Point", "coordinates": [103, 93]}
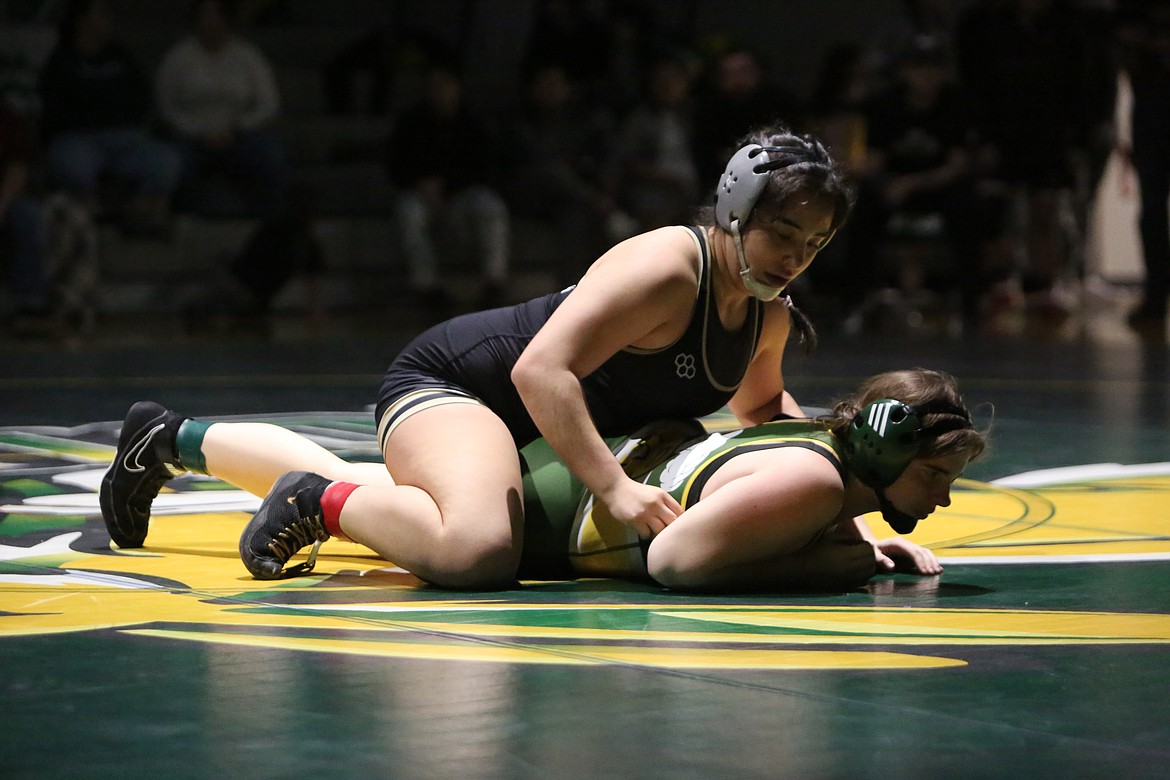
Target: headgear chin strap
{"type": "Point", "coordinates": [882, 440]}
{"type": "Point", "coordinates": [740, 187]}
{"type": "Point", "coordinates": [754, 286]}
{"type": "Point", "coordinates": [901, 522]}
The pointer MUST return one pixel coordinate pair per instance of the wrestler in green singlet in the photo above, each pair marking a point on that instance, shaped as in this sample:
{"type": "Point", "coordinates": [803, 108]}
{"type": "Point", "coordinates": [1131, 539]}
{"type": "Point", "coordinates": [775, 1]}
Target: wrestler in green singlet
{"type": "Point", "coordinates": [566, 534]}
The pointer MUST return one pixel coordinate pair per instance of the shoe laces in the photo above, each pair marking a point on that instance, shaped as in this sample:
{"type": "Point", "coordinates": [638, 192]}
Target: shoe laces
{"type": "Point", "coordinates": [308, 528]}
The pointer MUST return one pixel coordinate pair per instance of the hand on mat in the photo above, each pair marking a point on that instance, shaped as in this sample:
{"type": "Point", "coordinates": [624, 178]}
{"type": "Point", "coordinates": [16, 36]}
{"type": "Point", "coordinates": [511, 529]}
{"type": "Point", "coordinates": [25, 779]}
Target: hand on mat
{"type": "Point", "coordinates": [644, 508]}
{"type": "Point", "coordinates": [900, 554]}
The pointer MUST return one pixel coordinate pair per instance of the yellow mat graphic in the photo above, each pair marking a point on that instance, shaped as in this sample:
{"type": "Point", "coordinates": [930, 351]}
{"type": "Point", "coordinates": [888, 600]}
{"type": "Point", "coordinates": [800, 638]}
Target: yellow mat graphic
{"type": "Point", "coordinates": [57, 574]}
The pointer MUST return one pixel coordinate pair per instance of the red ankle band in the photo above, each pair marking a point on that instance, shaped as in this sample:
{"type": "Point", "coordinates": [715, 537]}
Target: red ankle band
{"type": "Point", "coordinates": [332, 500]}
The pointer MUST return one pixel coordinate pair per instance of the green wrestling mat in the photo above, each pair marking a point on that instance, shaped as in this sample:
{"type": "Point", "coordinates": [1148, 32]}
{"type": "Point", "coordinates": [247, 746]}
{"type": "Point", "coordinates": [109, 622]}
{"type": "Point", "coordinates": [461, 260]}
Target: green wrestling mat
{"type": "Point", "coordinates": [1041, 651]}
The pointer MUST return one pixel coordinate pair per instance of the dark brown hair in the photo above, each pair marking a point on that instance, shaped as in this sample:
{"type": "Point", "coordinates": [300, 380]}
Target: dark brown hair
{"type": "Point", "coordinates": [937, 393]}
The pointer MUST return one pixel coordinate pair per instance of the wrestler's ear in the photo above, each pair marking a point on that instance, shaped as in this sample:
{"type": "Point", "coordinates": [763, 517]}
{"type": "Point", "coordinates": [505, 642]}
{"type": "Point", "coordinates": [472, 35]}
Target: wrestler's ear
{"type": "Point", "coordinates": [882, 440]}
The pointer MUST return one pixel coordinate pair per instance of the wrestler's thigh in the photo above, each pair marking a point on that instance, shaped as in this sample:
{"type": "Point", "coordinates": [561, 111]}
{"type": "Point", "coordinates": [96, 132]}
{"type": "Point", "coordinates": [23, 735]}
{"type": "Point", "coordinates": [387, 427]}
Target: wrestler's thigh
{"type": "Point", "coordinates": [463, 456]}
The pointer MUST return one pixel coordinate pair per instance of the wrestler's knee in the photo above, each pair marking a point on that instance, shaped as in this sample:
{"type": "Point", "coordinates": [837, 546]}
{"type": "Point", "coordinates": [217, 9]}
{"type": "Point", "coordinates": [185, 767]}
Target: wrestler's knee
{"type": "Point", "coordinates": [479, 549]}
{"type": "Point", "coordinates": [478, 564]}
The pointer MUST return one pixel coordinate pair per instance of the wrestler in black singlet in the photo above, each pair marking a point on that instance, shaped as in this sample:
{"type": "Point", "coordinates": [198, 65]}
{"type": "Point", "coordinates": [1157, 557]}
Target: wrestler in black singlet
{"type": "Point", "coordinates": [474, 354]}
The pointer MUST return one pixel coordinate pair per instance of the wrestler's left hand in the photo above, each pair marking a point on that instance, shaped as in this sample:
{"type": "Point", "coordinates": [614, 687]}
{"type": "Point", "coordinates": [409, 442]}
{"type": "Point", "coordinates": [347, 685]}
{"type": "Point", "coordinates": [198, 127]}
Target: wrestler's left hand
{"type": "Point", "coordinates": [644, 508]}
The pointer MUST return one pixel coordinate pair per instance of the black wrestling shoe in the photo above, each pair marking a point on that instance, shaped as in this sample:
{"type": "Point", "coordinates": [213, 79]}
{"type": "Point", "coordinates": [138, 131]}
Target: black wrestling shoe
{"type": "Point", "coordinates": [144, 462]}
{"type": "Point", "coordinates": [289, 518]}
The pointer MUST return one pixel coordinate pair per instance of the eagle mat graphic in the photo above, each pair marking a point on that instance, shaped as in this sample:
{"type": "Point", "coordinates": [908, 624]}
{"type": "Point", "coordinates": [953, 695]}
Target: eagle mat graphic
{"type": "Point", "coordinates": [59, 573]}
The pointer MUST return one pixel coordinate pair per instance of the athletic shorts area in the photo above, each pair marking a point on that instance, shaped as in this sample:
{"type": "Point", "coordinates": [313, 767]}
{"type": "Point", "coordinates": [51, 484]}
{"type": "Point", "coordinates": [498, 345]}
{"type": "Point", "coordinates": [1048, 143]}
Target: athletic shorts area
{"type": "Point", "coordinates": [413, 401]}
{"type": "Point", "coordinates": [467, 359]}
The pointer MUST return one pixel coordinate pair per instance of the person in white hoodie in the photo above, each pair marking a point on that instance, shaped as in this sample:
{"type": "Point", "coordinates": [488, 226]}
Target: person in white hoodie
{"type": "Point", "coordinates": [217, 95]}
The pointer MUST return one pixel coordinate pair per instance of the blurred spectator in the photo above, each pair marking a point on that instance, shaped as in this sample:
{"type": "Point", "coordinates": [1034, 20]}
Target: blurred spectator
{"type": "Point", "coordinates": [72, 259]}
{"type": "Point", "coordinates": [1095, 21]}
{"type": "Point", "coordinates": [96, 115]}
{"type": "Point", "coordinates": [655, 180]}
{"type": "Point", "coordinates": [383, 70]}
{"type": "Point", "coordinates": [22, 243]}
{"type": "Point", "coordinates": [837, 115]}
{"type": "Point", "coordinates": [916, 226]}
{"type": "Point", "coordinates": [735, 96]}
{"type": "Point", "coordinates": [602, 44]}
{"type": "Point", "coordinates": [370, 55]}
{"type": "Point", "coordinates": [282, 248]}
{"type": "Point", "coordinates": [217, 94]}
{"type": "Point", "coordinates": [555, 157]}
{"type": "Point", "coordinates": [1144, 35]}
{"type": "Point", "coordinates": [20, 66]}
{"type": "Point", "coordinates": [1028, 67]}
{"type": "Point", "coordinates": [444, 160]}
{"type": "Point", "coordinates": [931, 17]}
{"type": "Point", "coordinates": [837, 106]}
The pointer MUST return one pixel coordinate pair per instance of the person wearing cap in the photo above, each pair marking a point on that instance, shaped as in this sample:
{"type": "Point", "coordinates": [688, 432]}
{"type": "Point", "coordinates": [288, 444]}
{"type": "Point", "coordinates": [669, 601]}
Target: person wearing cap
{"type": "Point", "coordinates": [677, 322]}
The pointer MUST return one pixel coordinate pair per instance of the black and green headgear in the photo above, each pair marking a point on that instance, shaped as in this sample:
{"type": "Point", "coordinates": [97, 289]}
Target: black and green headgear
{"type": "Point", "coordinates": [885, 436]}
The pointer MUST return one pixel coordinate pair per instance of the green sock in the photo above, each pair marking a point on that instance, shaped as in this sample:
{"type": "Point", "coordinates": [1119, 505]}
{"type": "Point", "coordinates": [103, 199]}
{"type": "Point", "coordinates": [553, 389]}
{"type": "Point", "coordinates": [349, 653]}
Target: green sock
{"type": "Point", "coordinates": [189, 445]}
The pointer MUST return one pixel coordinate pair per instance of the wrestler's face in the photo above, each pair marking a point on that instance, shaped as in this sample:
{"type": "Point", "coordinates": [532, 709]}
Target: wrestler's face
{"type": "Point", "coordinates": [781, 242]}
{"type": "Point", "coordinates": [925, 485]}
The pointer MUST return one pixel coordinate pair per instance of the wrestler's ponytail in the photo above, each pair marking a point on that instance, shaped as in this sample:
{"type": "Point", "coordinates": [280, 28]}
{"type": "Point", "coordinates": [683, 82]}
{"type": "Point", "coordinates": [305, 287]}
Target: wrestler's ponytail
{"type": "Point", "coordinates": [806, 334]}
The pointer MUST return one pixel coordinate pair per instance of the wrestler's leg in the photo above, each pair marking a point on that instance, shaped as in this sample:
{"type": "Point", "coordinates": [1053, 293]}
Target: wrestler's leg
{"type": "Point", "coordinates": [455, 518]}
{"type": "Point", "coordinates": [155, 444]}
{"type": "Point", "coordinates": [252, 456]}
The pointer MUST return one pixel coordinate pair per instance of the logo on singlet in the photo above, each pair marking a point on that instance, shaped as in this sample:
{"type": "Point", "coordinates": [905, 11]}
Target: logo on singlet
{"type": "Point", "coordinates": [684, 366]}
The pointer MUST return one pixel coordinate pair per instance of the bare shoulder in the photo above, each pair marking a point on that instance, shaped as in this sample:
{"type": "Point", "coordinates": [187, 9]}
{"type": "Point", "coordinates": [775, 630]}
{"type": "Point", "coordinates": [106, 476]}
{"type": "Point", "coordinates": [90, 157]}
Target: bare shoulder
{"type": "Point", "coordinates": [663, 254]}
{"type": "Point", "coordinates": [640, 293]}
{"type": "Point", "coordinates": [810, 469]}
{"type": "Point", "coordinates": [792, 471]}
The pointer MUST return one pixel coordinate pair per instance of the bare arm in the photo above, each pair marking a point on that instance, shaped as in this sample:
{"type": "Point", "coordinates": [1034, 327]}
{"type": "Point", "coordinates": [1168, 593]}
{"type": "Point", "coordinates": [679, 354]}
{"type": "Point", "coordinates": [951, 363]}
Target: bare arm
{"type": "Point", "coordinates": [765, 521]}
{"type": "Point", "coordinates": [640, 293]}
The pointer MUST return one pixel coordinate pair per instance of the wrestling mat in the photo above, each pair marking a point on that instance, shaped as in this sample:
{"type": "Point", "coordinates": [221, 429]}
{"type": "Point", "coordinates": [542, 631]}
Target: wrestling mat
{"type": "Point", "coordinates": [1044, 646]}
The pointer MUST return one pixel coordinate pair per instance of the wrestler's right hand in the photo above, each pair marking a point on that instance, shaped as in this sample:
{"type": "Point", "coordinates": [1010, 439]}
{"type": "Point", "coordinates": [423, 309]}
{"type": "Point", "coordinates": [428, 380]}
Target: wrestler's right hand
{"type": "Point", "coordinates": [644, 508]}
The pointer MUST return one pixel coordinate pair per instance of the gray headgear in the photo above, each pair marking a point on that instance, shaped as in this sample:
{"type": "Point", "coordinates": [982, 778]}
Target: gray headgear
{"type": "Point", "coordinates": [747, 174]}
{"type": "Point", "coordinates": [741, 186]}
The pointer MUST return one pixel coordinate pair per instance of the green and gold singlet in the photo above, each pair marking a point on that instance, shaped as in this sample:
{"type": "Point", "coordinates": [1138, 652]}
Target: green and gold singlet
{"type": "Point", "coordinates": [568, 534]}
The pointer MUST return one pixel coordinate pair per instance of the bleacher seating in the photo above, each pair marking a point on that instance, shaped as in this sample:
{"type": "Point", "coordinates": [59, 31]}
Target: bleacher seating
{"type": "Point", "coordinates": [335, 159]}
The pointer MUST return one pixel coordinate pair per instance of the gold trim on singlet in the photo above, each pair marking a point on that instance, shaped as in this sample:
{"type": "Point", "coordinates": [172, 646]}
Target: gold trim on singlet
{"type": "Point", "coordinates": [414, 402]}
{"type": "Point", "coordinates": [699, 475]}
{"type": "Point", "coordinates": [703, 245]}
{"type": "Point", "coordinates": [753, 313]}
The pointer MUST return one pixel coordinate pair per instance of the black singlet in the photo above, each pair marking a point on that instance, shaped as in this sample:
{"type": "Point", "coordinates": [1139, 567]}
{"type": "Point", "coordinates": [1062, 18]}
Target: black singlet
{"type": "Point", "coordinates": [693, 377]}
